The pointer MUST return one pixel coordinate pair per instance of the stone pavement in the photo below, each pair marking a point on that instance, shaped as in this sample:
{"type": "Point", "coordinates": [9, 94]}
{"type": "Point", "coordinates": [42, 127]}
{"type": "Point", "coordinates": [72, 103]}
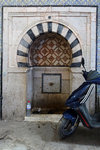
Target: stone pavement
{"type": "Point", "coordinates": [43, 136]}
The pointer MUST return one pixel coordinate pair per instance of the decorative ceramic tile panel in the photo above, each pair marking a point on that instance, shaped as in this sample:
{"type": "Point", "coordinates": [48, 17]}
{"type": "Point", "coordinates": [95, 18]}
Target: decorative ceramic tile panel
{"type": "Point", "coordinates": [48, 2]}
{"type": "Point", "coordinates": [50, 50]}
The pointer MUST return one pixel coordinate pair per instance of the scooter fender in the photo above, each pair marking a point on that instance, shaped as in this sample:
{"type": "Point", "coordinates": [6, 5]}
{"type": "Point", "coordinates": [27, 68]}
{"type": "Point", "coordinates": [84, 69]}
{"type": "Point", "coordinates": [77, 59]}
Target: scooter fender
{"type": "Point", "coordinates": [70, 115]}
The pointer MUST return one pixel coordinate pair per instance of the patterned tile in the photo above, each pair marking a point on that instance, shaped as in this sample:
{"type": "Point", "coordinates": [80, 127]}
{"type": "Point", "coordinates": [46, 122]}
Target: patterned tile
{"type": "Point", "coordinates": [51, 50]}
{"type": "Point", "coordinates": [49, 2]}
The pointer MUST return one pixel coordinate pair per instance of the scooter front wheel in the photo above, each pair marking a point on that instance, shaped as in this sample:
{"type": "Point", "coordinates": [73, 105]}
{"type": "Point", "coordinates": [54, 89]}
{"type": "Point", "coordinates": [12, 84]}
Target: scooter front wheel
{"type": "Point", "coordinates": [65, 127]}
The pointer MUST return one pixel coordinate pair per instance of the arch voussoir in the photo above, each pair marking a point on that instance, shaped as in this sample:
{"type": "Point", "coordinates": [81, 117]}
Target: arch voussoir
{"type": "Point", "coordinates": [42, 28]}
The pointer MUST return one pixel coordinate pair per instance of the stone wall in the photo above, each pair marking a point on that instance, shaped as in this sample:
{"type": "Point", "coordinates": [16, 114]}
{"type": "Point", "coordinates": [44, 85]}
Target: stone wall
{"type": "Point", "coordinates": [21, 26]}
{"type": "Point", "coordinates": [56, 3]}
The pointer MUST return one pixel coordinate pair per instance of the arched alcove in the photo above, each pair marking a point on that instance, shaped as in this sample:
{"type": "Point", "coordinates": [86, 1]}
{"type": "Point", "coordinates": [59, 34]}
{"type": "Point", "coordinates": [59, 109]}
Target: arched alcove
{"type": "Point", "coordinates": [50, 50]}
{"type": "Point", "coordinates": [50, 58]}
{"type": "Point", "coordinates": [48, 27]}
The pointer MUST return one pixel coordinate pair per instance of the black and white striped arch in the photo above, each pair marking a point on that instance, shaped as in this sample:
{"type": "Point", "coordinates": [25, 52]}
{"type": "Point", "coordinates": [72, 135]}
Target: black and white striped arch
{"type": "Point", "coordinates": [41, 28]}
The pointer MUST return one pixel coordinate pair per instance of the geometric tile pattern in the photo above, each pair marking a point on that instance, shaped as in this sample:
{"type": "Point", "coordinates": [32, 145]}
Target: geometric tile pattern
{"type": "Point", "coordinates": [50, 49]}
{"type": "Point", "coordinates": [72, 59]}
{"type": "Point", "coordinates": [49, 2]}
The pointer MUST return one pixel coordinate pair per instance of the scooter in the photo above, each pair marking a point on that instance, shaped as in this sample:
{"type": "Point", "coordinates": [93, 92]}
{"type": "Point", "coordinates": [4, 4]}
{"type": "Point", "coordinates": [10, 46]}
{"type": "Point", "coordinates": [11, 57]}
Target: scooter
{"type": "Point", "coordinates": [76, 106]}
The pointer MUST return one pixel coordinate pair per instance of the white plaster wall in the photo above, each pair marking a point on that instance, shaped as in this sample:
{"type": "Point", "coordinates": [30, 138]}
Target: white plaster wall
{"type": "Point", "coordinates": [16, 22]}
{"type": "Point", "coordinates": [14, 99]}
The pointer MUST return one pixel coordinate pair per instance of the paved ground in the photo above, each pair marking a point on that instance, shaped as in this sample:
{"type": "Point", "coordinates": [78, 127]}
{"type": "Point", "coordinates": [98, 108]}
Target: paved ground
{"type": "Point", "coordinates": [43, 136]}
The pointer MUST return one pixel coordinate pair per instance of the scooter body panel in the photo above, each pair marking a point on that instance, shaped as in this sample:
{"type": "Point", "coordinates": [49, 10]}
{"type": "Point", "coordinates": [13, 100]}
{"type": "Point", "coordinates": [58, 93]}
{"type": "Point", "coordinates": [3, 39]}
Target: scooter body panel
{"type": "Point", "coordinates": [77, 96]}
{"type": "Point", "coordinates": [78, 109]}
{"type": "Point", "coordinates": [88, 120]}
{"type": "Point", "coordinates": [70, 115]}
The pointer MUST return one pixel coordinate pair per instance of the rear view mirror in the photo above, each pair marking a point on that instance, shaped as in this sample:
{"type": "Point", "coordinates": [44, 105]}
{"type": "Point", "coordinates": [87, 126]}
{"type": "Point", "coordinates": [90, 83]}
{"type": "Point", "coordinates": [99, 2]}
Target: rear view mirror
{"type": "Point", "coordinates": [83, 62]}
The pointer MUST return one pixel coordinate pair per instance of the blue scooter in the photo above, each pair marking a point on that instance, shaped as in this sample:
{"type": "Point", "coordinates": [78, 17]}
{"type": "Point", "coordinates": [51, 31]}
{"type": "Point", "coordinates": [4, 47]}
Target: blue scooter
{"type": "Point", "coordinates": [76, 106]}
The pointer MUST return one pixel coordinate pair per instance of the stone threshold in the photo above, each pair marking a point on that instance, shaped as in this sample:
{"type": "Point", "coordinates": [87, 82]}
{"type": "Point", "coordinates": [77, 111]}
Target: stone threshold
{"type": "Point", "coordinates": [44, 117]}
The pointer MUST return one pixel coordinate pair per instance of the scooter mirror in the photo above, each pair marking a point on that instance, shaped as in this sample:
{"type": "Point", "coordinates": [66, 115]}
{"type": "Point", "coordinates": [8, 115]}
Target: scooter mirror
{"type": "Point", "coordinates": [83, 62]}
